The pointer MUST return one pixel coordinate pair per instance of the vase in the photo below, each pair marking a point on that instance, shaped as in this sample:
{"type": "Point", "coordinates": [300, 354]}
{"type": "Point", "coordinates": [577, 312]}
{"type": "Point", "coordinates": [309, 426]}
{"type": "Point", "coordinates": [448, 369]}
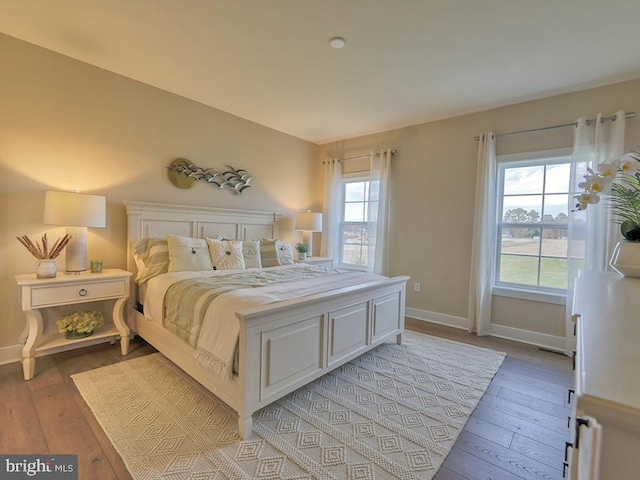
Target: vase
{"type": "Point", "coordinates": [626, 259]}
{"type": "Point", "coordinates": [302, 256]}
{"type": "Point", "coordinates": [73, 335]}
{"type": "Point", "coordinates": [46, 268]}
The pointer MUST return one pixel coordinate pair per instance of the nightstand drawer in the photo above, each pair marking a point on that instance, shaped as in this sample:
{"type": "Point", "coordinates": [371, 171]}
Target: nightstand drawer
{"type": "Point", "coordinates": [63, 294]}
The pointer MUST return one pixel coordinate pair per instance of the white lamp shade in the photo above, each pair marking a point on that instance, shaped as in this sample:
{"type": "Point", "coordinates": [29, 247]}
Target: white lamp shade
{"type": "Point", "coordinates": [309, 221]}
{"type": "Point", "coordinates": [75, 209]}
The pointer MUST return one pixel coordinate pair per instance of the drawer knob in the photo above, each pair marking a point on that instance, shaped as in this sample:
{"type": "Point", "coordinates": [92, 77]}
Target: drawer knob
{"type": "Point", "coordinates": [82, 292]}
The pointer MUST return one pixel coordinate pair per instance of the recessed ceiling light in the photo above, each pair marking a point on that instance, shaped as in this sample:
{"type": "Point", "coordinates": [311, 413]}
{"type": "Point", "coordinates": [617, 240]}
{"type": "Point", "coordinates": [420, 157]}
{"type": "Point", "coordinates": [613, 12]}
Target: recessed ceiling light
{"type": "Point", "coordinates": [337, 42]}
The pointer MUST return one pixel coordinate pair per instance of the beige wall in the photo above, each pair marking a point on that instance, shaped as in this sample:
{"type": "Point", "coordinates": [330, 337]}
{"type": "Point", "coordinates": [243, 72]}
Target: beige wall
{"type": "Point", "coordinates": [433, 194]}
{"type": "Point", "coordinates": [65, 124]}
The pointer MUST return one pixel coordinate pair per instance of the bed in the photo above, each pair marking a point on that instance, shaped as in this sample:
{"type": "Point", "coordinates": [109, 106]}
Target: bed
{"type": "Point", "coordinates": [283, 345]}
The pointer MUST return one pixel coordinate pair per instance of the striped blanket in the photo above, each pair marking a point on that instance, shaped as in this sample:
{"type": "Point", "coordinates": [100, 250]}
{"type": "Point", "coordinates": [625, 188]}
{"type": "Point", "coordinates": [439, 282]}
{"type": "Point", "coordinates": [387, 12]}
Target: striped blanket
{"type": "Point", "coordinates": [187, 303]}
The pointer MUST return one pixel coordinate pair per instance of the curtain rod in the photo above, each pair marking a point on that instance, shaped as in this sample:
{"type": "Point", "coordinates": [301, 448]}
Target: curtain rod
{"type": "Point", "coordinates": [377, 154]}
{"type": "Point", "coordinates": [573, 124]}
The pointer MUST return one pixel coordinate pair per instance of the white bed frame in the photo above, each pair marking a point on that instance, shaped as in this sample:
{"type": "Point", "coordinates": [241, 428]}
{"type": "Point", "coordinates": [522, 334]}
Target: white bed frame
{"type": "Point", "coordinates": [284, 345]}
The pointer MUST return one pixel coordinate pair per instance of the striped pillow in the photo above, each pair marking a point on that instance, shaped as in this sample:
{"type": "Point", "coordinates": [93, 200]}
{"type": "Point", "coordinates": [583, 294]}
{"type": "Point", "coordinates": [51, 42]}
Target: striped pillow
{"type": "Point", "coordinates": [152, 258]}
{"type": "Point", "coordinates": [269, 253]}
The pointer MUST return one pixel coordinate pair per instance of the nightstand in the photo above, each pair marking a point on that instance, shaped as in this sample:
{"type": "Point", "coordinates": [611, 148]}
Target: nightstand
{"type": "Point", "coordinates": [45, 300]}
{"type": "Point", "coordinates": [324, 262]}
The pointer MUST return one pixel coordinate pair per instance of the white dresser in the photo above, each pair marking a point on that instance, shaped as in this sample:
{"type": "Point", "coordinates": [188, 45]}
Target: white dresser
{"type": "Point", "coordinates": [605, 440]}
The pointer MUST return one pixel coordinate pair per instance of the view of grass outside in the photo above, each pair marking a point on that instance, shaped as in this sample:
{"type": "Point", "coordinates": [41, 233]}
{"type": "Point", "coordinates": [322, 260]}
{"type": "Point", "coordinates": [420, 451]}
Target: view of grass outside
{"type": "Point", "coordinates": [533, 205]}
{"type": "Point", "coordinates": [360, 206]}
{"type": "Point", "coordinates": [520, 256]}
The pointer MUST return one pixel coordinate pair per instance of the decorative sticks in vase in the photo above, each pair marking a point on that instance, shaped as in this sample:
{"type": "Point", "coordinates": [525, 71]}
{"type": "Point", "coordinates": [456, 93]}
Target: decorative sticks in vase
{"type": "Point", "coordinates": [43, 252]}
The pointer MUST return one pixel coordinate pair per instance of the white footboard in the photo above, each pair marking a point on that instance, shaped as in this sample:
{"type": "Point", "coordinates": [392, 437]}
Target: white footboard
{"type": "Point", "coordinates": [286, 345]}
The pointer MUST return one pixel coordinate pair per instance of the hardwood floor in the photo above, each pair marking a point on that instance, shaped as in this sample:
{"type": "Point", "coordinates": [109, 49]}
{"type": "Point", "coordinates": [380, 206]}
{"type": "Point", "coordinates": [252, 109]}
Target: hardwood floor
{"type": "Point", "coordinates": [519, 429]}
{"type": "Point", "coordinates": [517, 432]}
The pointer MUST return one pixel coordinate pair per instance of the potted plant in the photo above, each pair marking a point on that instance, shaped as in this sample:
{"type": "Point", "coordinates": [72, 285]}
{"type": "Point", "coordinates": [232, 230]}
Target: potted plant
{"type": "Point", "coordinates": [302, 249]}
{"type": "Point", "coordinates": [80, 324]}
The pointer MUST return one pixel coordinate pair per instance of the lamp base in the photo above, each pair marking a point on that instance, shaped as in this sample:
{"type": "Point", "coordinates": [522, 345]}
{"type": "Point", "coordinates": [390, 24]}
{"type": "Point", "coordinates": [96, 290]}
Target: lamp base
{"type": "Point", "coordinates": [307, 237]}
{"type": "Point", "coordinates": [76, 250]}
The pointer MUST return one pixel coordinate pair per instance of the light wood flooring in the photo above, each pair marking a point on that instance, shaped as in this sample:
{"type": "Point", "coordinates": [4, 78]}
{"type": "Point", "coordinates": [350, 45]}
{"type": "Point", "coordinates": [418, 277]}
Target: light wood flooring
{"type": "Point", "coordinates": [517, 432]}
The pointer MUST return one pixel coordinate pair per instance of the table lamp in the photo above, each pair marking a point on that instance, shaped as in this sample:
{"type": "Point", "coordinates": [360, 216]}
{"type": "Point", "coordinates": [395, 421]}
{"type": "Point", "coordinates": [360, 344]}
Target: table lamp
{"type": "Point", "coordinates": [308, 222]}
{"type": "Point", "coordinates": [76, 212]}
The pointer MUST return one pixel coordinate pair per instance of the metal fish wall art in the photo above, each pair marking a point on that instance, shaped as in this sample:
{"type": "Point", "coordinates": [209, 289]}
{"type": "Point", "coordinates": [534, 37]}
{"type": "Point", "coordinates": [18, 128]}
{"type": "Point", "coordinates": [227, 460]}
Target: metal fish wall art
{"type": "Point", "coordinates": [184, 174]}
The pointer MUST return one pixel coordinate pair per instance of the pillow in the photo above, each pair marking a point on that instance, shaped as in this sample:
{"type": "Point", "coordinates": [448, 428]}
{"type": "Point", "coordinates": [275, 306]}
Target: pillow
{"type": "Point", "coordinates": [188, 254]}
{"type": "Point", "coordinates": [225, 254]}
{"type": "Point", "coordinates": [285, 253]}
{"type": "Point", "coordinates": [152, 258]}
{"type": "Point", "coordinates": [269, 253]}
{"type": "Point", "coordinates": [251, 253]}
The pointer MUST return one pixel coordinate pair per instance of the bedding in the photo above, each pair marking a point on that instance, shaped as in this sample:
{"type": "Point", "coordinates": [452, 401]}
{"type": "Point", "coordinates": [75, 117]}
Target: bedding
{"type": "Point", "coordinates": [251, 253]}
{"type": "Point", "coordinates": [269, 253]}
{"type": "Point", "coordinates": [226, 254]}
{"type": "Point", "coordinates": [151, 256]}
{"type": "Point", "coordinates": [188, 254]}
{"type": "Point", "coordinates": [200, 307]}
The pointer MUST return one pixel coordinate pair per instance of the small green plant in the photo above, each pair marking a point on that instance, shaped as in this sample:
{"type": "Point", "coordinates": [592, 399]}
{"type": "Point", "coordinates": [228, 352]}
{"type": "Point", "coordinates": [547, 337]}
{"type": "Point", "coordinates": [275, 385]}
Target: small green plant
{"type": "Point", "coordinates": [302, 247]}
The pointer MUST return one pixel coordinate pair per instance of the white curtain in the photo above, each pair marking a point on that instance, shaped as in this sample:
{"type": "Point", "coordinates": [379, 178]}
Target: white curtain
{"type": "Point", "coordinates": [484, 233]}
{"type": "Point", "coordinates": [378, 220]}
{"type": "Point", "coordinates": [591, 233]}
{"type": "Point", "coordinates": [331, 209]}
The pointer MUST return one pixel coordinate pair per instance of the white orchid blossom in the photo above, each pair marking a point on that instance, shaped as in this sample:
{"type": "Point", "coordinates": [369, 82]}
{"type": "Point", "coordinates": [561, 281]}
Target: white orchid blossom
{"type": "Point", "coordinates": [585, 199]}
{"type": "Point", "coordinates": [620, 180]}
{"type": "Point", "coordinates": [628, 164]}
{"type": "Point", "coordinates": [598, 184]}
{"type": "Point", "coordinates": [609, 169]}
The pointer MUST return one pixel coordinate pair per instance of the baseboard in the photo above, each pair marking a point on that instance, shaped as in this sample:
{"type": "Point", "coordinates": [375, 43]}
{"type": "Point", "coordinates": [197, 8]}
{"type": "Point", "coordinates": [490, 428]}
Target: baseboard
{"type": "Point", "coordinates": [10, 354]}
{"type": "Point", "coordinates": [550, 342]}
{"type": "Point", "coordinates": [439, 318]}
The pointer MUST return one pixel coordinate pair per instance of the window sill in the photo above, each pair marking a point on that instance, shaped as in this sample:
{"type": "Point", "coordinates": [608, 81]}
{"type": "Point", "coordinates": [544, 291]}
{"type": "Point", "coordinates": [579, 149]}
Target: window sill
{"type": "Point", "coordinates": [558, 299]}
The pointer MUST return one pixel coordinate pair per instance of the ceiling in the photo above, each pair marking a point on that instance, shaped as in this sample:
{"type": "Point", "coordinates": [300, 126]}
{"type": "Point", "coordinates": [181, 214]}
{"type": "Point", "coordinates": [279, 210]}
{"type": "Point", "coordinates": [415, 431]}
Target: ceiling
{"type": "Point", "coordinates": [405, 62]}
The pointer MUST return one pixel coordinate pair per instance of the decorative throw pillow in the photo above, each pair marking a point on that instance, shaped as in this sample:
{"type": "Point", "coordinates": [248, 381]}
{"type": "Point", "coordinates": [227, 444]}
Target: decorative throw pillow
{"type": "Point", "coordinates": [285, 253]}
{"type": "Point", "coordinates": [152, 258]}
{"type": "Point", "coordinates": [225, 254]}
{"type": "Point", "coordinates": [251, 253]}
{"type": "Point", "coordinates": [269, 253]}
{"type": "Point", "coordinates": [188, 254]}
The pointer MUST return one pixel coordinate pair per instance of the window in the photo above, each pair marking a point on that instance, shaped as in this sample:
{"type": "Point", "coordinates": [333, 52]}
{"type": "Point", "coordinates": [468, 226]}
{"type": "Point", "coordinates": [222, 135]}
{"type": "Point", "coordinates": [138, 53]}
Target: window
{"type": "Point", "coordinates": [532, 221]}
{"type": "Point", "coordinates": [359, 207]}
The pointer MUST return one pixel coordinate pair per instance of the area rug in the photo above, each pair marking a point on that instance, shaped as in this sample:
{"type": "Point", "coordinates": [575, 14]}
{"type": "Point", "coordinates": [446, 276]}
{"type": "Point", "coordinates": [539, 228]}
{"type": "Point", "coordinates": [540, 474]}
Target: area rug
{"type": "Point", "coordinates": [394, 412]}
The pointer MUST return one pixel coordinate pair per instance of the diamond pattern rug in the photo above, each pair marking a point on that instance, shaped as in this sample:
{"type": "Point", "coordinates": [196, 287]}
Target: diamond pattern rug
{"type": "Point", "coordinates": [394, 412]}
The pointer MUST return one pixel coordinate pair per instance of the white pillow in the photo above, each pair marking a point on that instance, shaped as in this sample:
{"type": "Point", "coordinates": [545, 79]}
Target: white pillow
{"type": "Point", "coordinates": [225, 254]}
{"type": "Point", "coordinates": [251, 253]}
{"type": "Point", "coordinates": [285, 253]}
{"type": "Point", "coordinates": [188, 254]}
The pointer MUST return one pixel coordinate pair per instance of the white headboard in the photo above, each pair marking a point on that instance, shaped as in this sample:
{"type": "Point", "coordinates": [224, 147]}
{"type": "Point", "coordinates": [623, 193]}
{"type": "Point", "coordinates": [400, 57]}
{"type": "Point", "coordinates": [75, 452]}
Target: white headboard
{"type": "Point", "coordinates": [159, 220]}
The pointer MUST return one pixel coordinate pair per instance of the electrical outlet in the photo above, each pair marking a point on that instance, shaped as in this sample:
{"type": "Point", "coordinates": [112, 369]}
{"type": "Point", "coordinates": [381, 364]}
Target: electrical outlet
{"type": "Point", "coordinates": [416, 286]}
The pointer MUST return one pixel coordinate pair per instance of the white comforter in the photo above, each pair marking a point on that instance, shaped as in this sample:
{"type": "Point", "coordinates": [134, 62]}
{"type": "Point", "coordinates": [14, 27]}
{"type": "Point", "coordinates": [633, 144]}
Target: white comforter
{"type": "Point", "coordinates": [220, 330]}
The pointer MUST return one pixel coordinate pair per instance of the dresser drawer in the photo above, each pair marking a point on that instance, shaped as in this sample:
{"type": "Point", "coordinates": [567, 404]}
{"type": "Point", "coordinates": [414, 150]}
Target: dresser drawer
{"type": "Point", "coordinates": [86, 292]}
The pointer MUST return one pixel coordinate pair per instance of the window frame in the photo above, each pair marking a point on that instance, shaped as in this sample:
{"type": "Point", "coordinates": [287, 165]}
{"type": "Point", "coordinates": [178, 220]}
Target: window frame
{"type": "Point", "coordinates": [516, 290]}
{"type": "Point", "coordinates": [350, 178]}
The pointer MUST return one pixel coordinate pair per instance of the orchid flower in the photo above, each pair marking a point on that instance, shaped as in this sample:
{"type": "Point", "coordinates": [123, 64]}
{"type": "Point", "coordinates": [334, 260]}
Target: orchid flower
{"type": "Point", "coordinates": [598, 184]}
{"type": "Point", "coordinates": [623, 191]}
{"type": "Point", "coordinates": [609, 169]}
{"type": "Point", "coordinates": [585, 199]}
{"type": "Point", "coordinates": [629, 164]}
